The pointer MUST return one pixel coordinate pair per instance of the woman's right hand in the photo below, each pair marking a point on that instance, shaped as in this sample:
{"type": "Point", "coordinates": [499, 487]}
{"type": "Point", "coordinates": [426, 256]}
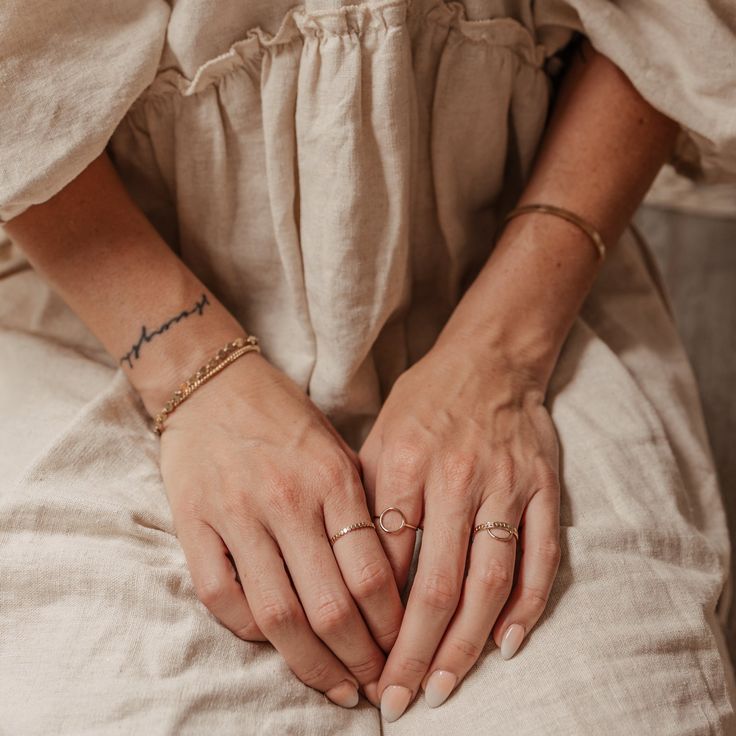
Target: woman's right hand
{"type": "Point", "coordinates": [252, 468]}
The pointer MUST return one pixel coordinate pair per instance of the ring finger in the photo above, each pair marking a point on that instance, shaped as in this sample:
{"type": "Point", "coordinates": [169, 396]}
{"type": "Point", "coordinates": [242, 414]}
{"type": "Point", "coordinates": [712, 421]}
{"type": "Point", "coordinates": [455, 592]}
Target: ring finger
{"type": "Point", "coordinates": [485, 591]}
{"type": "Point", "coordinates": [280, 616]}
{"type": "Point", "coordinates": [367, 572]}
{"type": "Point", "coordinates": [331, 610]}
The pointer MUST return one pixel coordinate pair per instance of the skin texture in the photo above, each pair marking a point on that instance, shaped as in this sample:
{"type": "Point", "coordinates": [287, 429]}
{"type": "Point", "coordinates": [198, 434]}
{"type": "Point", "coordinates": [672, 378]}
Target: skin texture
{"type": "Point", "coordinates": [463, 437]}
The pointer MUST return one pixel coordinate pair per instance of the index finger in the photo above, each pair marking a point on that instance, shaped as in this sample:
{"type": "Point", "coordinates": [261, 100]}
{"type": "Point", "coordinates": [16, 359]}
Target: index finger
{"type": "Point", "coordinates": [432, 602]}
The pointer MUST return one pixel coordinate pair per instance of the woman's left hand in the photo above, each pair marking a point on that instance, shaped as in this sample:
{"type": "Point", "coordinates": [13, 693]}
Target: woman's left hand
{"type": "Point", "coordinates": [462, 438]}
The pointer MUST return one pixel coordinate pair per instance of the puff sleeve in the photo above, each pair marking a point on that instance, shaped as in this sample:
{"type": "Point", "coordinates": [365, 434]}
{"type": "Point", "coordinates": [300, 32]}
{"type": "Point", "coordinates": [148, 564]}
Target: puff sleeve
{"type": "Point", "coordinates": [69, 71]}
{"type": "Point", "coordinates": [680, 56]}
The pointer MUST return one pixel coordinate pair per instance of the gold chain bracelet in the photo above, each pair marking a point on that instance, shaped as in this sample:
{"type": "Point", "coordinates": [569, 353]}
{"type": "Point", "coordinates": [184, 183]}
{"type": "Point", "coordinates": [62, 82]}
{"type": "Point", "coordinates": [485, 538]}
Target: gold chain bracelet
{"type": "Point", "coordinates": [225, 355]}
{"type": "Point", "coordinates": [589, 230]}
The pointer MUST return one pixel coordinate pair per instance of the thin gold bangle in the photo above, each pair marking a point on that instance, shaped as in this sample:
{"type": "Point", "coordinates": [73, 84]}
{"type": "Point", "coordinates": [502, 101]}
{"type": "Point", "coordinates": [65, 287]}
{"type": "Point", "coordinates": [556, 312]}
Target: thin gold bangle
{"type": "Point", "coordinates": [225, 355]}
{"type": "Point", "coordinates": [550, 209]}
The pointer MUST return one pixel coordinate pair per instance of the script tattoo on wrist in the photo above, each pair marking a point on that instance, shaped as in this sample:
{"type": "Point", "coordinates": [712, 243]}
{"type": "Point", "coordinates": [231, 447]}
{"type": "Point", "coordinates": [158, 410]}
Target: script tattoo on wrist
{"type": "Point", "coordinates": [146, 336]}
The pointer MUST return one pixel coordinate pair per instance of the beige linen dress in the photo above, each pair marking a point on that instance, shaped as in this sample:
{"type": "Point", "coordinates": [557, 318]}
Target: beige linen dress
{"type": "Point", "coordinates": [335, 173]}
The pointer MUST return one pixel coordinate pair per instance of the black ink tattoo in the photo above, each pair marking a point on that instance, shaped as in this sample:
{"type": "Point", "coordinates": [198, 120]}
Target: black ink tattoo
{"type": "Point", "coordinates": [146, 336]}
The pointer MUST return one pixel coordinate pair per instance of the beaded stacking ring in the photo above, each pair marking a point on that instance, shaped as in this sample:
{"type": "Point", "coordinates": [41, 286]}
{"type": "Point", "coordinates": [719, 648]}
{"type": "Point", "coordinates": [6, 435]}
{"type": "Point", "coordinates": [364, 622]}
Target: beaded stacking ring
{"type": "Point", "coordinates": [404, 522]}
{"type": "Point", "coordinates": [351, 528]}
{"type": "Point", "coordinates": [490, 526]}
{"type": "Point", "coordinates": [226, 355]}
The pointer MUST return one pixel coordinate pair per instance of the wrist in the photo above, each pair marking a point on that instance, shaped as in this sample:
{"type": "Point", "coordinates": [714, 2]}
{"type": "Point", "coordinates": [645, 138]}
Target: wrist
{"type": "Point", "coordinates": [174, 355]}
{"type": "Point", "coordinates": [521, 306]}
{"type": "Point", "coordinates": [526, 355]}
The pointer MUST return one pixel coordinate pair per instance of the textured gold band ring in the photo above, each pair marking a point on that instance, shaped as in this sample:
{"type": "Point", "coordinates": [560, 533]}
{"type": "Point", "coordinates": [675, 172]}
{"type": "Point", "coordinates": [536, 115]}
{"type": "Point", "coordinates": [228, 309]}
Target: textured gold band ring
{"type": "Point", "coordinates": [404, 523]}
{"type": "Point", "coordinates": [490, 526]}
{"type": "Point", "coordinates": [351, 528]}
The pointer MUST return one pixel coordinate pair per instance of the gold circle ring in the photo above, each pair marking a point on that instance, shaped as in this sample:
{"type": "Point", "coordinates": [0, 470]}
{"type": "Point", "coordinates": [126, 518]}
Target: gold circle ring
{"type": "Point", "coordinates": [353, 527]}
{"type": "Point", "coordinates": [490, 526]}
{"type": "Point", "coordinates": [404, 522]}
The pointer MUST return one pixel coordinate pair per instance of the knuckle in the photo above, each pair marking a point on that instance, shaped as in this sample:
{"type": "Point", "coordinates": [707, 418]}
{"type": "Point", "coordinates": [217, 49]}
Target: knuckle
{"type": "Point", "coordinates": [284, 494]}
{"type": "Point", "coordinates": [387, 639]}
{"type": "Point", "coordinates": [459, 469]}
{"type": "Point", "coordinates": [366, 668]}
{"type": "Point", "coordinates": [549, 550]}
{"type": "Point", "coordinates": [505, 471]}
{"type": "Point", "coordinates": [439, 591]}
{"type": "Point", "coordinates": [465, 648]}
{"type": "Point", "coordinates": [372, 579]}
{"type": "Point", "coordinates": [248, 632]}
{"type": "Point", "coordinates": [335, 472]}
{"type": "Point", "coordinates": [535, 597]}
{"type": "Point", "coordinates": [412, 666]}
{"type": "Point", "coordinates": [315, 674]}
{"type": "Point", "coordinates": [347, 493]}
{"type": "Point", "coordinates": [276, 614]}
{"type": "Point", "coordinates": [212, 592]}
{"type": "Point", "coordinates": [331, 614]}
{"type": "Point", "coordinates": [494, 576]}
{"type": "Point", "coordinates": [233, 508]}
{"type": "Point", "coordinates": [548, 477]}
{"type": "Point", "coordinates": [406, 460]}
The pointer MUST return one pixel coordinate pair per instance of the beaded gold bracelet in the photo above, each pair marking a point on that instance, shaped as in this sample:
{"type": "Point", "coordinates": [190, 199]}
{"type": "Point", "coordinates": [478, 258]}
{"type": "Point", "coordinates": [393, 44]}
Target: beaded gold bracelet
{"type": "Point", "coordinates": [225, 355]}
{"type": "Point", "coordinates": [586, 227]}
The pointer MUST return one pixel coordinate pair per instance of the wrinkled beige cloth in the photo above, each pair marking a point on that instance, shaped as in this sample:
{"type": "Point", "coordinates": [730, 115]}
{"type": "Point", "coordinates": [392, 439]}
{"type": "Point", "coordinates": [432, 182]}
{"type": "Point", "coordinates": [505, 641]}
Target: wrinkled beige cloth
{"type": "Point", "coordinates": [336, 180]}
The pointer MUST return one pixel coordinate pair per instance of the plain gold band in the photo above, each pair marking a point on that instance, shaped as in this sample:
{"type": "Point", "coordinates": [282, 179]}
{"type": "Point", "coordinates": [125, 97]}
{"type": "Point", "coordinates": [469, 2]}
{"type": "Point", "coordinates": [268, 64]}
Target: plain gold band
{"type": "Point", "coordinates": [550, 209]}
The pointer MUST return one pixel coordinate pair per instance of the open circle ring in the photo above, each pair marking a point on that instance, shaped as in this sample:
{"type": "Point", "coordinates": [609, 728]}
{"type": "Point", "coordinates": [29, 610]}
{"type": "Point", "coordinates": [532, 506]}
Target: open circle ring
{"type": "Point", "coordinates": [508, 530]}
{"type": "Point", "coordinates": [404, 522]}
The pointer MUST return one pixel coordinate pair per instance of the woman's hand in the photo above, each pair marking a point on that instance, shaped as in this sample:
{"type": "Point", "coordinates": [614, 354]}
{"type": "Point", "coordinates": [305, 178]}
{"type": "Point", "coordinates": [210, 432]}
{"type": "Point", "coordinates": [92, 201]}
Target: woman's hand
{"type": "Point", "coordinates": [254, 470]}
{"type": "Point", "coordinates": [462, 439]}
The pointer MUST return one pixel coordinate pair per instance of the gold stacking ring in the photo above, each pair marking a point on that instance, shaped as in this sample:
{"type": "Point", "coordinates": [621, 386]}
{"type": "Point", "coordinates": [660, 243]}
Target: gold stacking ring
{"type": "Point", "coordinates": [490, 526]}
{"type": "Point", "coordinates": [404, 522]}
{"type": "Point", "coordinates": [351, 528]}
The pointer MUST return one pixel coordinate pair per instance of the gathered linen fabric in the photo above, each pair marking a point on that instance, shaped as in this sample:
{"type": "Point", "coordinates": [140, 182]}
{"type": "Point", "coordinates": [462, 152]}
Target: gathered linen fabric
{"type": "Point", "coordinates": [335, 173]}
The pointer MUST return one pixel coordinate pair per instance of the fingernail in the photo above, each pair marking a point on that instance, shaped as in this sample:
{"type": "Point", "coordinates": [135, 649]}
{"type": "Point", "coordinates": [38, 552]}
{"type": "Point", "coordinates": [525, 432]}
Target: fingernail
{"type": "Point", "coordinates": [394, 700]}
{"type": "Point", "coordinates": [344, 694]}
{"type": "Point", "coordinates": [439, 687]}
{"type": "Point", "coordinates": [511, 640]}
{"type": "Point", "coordinates": [371, 692]}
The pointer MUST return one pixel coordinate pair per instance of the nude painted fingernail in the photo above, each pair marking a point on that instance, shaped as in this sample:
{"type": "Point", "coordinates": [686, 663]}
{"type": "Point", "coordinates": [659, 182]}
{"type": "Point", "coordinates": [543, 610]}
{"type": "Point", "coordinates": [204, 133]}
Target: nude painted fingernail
{"type": "Point", "coordinates": [439, 687]}
{"type": "Point", "coordinates": [371, 692]}
{"type": "Point", "coordinates": [344, 694]}
{"type": "Point", "coordinates": [511, 640]}
{"type": "Point", "coordinates": [394, 700]}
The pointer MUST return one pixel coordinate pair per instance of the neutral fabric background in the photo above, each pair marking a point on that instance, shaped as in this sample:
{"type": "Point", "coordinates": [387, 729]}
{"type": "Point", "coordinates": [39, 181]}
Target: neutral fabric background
{"type": "Point", "coordinates": [692, 232]}
{"type": "Point", "coordinates": [101, 628]}
{"type": "Point", "coordinates": [346, 285]}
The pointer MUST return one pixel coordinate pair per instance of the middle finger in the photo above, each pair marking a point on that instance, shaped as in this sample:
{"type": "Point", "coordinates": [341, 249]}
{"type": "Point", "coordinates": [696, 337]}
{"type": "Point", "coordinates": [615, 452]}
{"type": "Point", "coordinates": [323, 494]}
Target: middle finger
{"type": "Point", "coordinates": [366, 570]}
{"type": "Point", "coordinates": [433, 598]}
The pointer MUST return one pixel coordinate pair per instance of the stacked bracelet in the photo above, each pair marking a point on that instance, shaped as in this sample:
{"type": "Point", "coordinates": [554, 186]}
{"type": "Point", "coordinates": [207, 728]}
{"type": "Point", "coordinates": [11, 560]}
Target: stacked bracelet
{"type": "Point", "coordinates": [591, 232]}
{"type": "Point", "coordinates": [226, 355]}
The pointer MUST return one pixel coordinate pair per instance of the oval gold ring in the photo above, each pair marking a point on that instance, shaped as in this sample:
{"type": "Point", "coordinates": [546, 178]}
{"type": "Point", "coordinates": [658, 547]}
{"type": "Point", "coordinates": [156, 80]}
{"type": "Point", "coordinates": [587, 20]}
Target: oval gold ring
{"type": "Point", "coordinates": [353, 527]}
{"type": "Point", "coordinates": [490, 526]}
{"type": "Point", "coordinates": [404, 522]}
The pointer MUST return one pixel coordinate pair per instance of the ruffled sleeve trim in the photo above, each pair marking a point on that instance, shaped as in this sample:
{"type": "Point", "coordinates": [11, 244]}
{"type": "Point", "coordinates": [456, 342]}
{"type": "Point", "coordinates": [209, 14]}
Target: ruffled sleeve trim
{"type": "Point", "coordinates": [681, 60]}
{"type": "Point", "coordinates": [64, 98]}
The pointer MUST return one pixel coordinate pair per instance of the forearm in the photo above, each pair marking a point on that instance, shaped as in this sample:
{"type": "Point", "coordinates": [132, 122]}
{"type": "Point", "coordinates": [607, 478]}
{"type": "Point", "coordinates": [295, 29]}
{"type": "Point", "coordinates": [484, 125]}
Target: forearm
{"type": "Point", "coordinates": [602, 148]}
{"type": "Point", "coordinates": [103, 257]}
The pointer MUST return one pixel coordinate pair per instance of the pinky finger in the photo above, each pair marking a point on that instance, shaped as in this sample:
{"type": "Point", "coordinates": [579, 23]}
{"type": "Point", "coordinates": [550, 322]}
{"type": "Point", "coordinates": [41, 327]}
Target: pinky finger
{"type": "Point", "coordinates": [214, 578]}
{"type": "Point", "coordinates": [538, 565]}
